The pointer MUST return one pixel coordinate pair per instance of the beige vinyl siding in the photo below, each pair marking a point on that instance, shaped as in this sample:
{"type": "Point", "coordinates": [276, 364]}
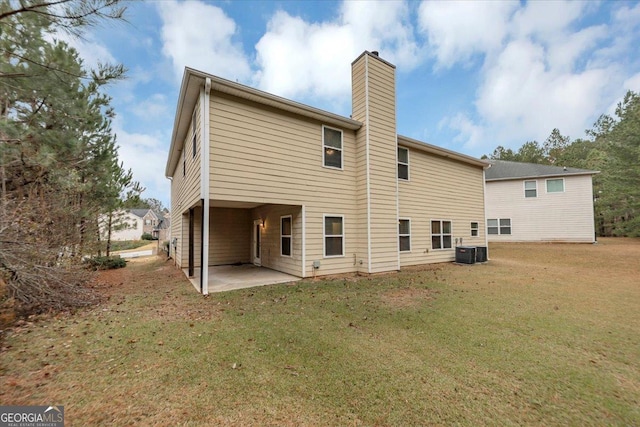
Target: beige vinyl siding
{"type": "Point", "coordinates": [440, 189]}
{"type": "Point", "coordinates": [265, 156]}
{"type": "Point", "coordinates": [566, 216]}
{"type": "Point", "coordinates": [230, 236]}
{"type": "Point", "coordinates": [190, 190]}
{"type": "Point", "coordinates": [271, 257]}
{"type": "Point", "coordinates": [185, 190]}
{"type": "Point", "coordinates": [379, 91]}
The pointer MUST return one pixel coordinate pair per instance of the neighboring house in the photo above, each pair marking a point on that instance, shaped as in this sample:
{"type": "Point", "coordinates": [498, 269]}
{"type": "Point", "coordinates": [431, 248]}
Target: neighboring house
{"type": "Point", "coordinates": [256, 178]}
{"type": "Point", "coordinates": [131, 224]}
{"type": "Point", "coordinates": [529, 202]}
{"type": "Point", "coordinates": [162, 229]}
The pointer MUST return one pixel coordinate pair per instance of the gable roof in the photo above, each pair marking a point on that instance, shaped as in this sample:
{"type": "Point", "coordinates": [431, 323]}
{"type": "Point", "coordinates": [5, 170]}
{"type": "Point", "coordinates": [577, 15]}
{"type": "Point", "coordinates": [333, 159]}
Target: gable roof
{"type": "Point", "coordinates": [139, 212]}
{"type": "Point", "coordinates": [502, 170]}
{"type": "Point", "coordinates": [405, 141]}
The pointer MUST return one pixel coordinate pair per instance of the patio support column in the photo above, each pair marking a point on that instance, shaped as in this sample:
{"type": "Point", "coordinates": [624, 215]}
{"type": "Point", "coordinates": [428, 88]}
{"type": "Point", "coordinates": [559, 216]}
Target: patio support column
{"type": "Point", "coordinates": [190, 248]}
{"type": "Point", "coordinates": [484, 203]}
{"type": "Point", "coordinates": [204, 183]}
{"type": "Point", "coordinates": [303, 214]}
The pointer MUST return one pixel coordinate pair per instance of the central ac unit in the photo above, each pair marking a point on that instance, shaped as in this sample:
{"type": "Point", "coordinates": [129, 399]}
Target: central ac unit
{"type": "Point", "coordinates": [465, 254]}
{"type": "Point", "coordinates": [481, 254]}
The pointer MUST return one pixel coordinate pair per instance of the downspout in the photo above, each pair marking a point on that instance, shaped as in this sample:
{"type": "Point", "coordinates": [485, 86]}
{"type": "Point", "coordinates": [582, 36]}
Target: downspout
{"type": "Point", "coordinates": [170, 178]}
{"type": "Point", "coordinates": [395, 94]}
{"type": "Point", "coordinates": [304, 240]}
{"type": "Point", "coordinates": [484, 201]}
{"type": "Point", "coordinates": [204, 184]}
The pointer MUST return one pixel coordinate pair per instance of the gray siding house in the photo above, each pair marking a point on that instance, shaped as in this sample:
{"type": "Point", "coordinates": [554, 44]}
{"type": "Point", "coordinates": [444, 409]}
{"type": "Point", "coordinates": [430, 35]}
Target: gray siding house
{"type": "Point", "coordinates": [529, 202]}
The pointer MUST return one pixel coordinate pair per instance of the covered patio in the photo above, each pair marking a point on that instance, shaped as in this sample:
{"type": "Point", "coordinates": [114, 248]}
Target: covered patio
{"type": "Point", "coordinates": [231, 277]}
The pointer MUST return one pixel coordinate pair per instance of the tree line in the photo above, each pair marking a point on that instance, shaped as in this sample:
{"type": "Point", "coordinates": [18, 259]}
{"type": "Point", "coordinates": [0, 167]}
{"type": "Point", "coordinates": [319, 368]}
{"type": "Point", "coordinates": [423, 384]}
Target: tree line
{"type": "Point", "coordinates": [612, 147]}
{"type": "Point", "coordinates": [59, 166]}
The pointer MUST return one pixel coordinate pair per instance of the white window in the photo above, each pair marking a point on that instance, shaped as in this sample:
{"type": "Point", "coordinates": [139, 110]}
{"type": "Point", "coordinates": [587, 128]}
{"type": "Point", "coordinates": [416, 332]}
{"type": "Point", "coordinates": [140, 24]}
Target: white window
{"type": "Point", "coordinates": [474, 229]}
{"type": "Point", "coordinates": [285, 235]}
{"type": "Point", "coordinates": [499, 226]}
{"type": "Point", "coordinates": [332, 147]}
{"type": "Point", "coordinates": [193, 137]}
{"type": "Point", "coordinates": [404, 235]}
{"type": "Point", "coordinates": [440, 234]}
{"type": "Point", "coordinates": [555, 185]}
{"type": "Point", "coordinates": [403, 163]}
{"type": "Point", "coordinates": [333, 235]}
{"type": "Point", "coordinates": [531, 189]}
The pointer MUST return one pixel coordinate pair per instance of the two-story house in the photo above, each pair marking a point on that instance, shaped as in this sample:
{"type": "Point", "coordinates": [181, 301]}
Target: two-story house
{"type": "Point", "coordinates": [529, 202]}
{"type": "Point", "coordinates": [256, 178]}
{"type": "Point", "coordinates": [131, 224]}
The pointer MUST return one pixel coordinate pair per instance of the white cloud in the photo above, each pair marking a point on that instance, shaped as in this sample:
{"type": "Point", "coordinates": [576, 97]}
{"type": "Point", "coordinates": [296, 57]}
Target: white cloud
{"type": "Point", "coordinates": [546, 20]}
{"type": "Point", "coordinates": [632, 83]}
{"type": "Point", "coordinates": [298, 58]}
{"type": "Point", "coordinates": [522, 97]}
{"type": "Point", "coordinates": [155, 107]}
{"type": "Point", "coordinates": [468, 133]}
{"type": "Point", "coordinates": [540, 68]}
{"type": "Point", "coordinates": [201, 36]}
{"type": "Point", "coordinates": [146, 156]}
{"type": "Point", "coordinates": [457, 30]}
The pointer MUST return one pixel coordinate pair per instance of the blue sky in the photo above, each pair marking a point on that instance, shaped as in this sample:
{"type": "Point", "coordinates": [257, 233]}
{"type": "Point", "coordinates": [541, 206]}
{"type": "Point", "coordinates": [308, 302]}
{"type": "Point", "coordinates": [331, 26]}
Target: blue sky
{"type": "Point", "coordinates": [471, 75]}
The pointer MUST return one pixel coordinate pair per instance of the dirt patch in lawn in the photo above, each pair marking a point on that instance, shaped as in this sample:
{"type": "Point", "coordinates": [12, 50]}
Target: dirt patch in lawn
{"type": "Point", "coordinates": [149, 284]}
{"type": "Point", "coordinates": [407, 297]}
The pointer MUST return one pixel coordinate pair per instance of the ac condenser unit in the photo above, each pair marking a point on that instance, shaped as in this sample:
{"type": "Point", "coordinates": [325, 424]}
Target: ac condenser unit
{"type": "Point", "coordinates": [481, 254]}
{"type": "Point", "coordinates": [465, 254]}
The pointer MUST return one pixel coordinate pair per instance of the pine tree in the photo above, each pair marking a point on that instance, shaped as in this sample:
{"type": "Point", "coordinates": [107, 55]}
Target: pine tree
{"type": "Point", "coordinates": [58, 157]}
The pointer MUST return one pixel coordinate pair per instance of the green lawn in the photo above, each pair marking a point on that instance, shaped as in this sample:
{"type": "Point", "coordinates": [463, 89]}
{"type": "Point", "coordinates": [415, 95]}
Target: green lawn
{"type": "Point", "coordinates": [542, 335]}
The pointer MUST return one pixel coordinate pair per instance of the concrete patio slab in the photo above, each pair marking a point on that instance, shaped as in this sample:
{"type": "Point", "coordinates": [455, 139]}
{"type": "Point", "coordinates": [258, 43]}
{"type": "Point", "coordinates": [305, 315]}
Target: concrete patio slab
{"type": "Point", "coordinates": [230, 277]}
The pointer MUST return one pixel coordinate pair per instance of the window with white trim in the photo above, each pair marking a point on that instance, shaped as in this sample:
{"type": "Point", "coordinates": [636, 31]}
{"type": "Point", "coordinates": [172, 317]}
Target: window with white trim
{"type": "Point", "coordinates": [333, 235]}
{"type": "Point", "coordinates": [499, 226]}
{"type": "Point", "coordinates": [555, 185]}
{"type": "Point", "coordinates": [441, 234]}
{"type": "Point", "coordinates": [403, 163]}
{"type": "Point", "coordinates": [193, 136]}
{"type": "Point", "coordinates": [404, 235]}
{"type": "Point", "coordinates": [331, 147]}
{"type": "Point", "coordinates": [286, 235]}
{"type": "Point", "coordinates": [474, 229]}
{"type": "Point", "coordinates": [531, 189]}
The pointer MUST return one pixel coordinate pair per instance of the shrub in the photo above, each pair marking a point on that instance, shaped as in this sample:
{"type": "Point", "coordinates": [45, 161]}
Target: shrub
{"type": "Point", "coordinates": [147, 236]}
{"type": "Point", "coordinates": [105, 262]}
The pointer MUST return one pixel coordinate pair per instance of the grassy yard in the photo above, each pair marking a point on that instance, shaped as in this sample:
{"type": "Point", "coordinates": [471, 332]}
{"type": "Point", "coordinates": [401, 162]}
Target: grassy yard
{"type": "Point", "coordinates": [127, 244]}
{"type": "Point", "coordinates": [542, 335]}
